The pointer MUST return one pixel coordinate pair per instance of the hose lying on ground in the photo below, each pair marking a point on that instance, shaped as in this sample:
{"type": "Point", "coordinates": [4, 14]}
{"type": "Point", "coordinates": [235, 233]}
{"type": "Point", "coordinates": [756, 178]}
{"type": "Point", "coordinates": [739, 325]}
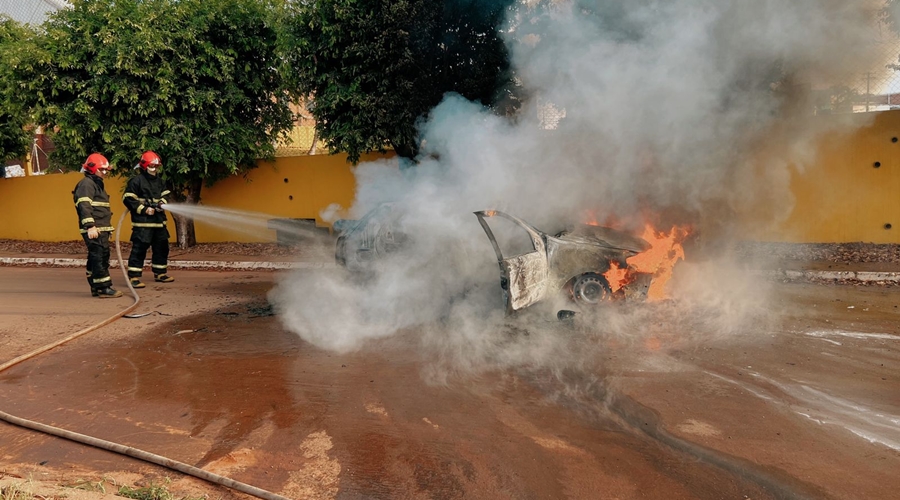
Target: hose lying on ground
{"type": "Point", "coordinates": [115, 447]}
{"type": "Point", "coordinates": [133, 316]}
{"type": "Point", "coordinates": [91, 328]}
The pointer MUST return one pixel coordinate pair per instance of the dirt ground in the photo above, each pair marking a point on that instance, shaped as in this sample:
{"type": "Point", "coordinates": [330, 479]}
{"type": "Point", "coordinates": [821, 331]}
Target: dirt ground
{"type": "Point", "coordinates": [806, 405]}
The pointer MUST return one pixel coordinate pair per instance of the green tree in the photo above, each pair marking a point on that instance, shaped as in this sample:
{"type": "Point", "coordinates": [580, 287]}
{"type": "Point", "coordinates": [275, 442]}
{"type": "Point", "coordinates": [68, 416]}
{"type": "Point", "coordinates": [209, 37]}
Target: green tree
{"type": "Point", "coordinates": [197, 81]}
{"type": "Point", "coordinates": [890, 14]}
{"type": "Point", "coordinates": [14, 137]}
{"type": "Point", "coordinates": [375, 68]}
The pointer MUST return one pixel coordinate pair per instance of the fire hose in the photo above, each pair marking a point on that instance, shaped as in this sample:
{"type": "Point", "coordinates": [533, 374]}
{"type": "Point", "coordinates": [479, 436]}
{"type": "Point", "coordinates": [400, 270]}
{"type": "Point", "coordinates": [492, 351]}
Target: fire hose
{"type": "Point", "coordinates": [116, 447]}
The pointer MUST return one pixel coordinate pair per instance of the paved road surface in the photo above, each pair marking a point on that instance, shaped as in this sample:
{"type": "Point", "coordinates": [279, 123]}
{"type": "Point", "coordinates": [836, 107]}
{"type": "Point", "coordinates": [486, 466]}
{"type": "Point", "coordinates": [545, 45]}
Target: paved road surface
{"type": "Point", "coordinates": [802, 404]}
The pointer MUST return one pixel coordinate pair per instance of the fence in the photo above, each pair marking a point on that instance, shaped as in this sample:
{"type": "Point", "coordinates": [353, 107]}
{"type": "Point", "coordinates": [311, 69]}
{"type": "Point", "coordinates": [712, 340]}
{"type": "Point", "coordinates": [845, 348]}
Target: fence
{"type": "Point", "coordinates": [302, 140]}
{"type": "Point", "coordinates": [869, 87]}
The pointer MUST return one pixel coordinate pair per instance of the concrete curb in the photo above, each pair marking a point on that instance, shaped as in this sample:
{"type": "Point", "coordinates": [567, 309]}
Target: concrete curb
{"type": "Point", "coordinates": [215, 265]}
{"type": "Point", "coordinates": [866, 276]}
{"type": "Point", "coordinates": [211, 265]}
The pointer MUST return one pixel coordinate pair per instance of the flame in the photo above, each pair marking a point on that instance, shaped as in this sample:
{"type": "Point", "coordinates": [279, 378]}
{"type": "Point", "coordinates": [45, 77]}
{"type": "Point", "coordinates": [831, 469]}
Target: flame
{"type": "Point", "coordinates": [592, 218]}
{"type": "Point", "coordinates": [665, 250]}
{"type": "Point", "coordinates": [617, 277]}
{"type": "Point", "coordinates": [659, 260]}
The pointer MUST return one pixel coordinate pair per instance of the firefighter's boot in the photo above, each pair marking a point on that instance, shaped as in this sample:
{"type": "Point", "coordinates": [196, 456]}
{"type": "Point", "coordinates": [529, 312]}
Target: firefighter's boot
{"type": "Point", "coordinates": [137, 283]}
{"type": "Point", "coordinates": [108, 293]}
{"type": "Point", "coordinates": [163, 278]}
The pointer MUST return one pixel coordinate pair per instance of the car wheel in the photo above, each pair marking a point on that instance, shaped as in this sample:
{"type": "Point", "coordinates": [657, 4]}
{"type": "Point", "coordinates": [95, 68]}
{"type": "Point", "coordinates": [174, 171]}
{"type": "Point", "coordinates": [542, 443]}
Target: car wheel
{"type": "Point", "coordinates": [590, 288]}
{"type": "Point", "coordinates": [340, 251]}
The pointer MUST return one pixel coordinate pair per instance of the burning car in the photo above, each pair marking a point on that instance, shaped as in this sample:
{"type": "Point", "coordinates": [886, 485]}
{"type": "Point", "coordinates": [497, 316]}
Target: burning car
{"type": "Point", "coordinates": [591, 264]}
{"type": "Point", "coordinates": [362, 242]}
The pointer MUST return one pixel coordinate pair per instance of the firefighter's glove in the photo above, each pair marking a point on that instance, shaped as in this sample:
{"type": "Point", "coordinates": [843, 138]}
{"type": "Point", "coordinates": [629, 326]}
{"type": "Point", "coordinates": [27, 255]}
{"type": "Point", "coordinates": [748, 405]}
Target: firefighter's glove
{"type": "Point", "coordinates": [93, 232]}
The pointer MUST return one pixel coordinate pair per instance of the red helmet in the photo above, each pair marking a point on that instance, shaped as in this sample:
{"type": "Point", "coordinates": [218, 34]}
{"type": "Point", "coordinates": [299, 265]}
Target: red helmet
{"type": "Point", "coordinates": [95, 162]}
{"type": "Point", "coordinates": [149, 158]}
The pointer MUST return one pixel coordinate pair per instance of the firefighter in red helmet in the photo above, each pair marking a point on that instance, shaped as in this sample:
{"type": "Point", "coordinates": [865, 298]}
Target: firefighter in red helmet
{"type": "Point", "coordinates": [145, 196]}
{"type": "Point", "coordinates": [95, 224]}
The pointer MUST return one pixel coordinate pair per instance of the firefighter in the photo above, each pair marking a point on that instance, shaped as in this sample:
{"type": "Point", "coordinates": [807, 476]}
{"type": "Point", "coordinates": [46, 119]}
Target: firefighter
{"type": "Point", "coordinates": [95, 222]}
{"type": "Point", "coordinates": [145, 195]}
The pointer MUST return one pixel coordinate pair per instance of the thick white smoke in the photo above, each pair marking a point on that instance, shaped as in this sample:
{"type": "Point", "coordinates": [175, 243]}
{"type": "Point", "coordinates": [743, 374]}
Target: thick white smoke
{"type": "Point", "coordinates": [690, 110]}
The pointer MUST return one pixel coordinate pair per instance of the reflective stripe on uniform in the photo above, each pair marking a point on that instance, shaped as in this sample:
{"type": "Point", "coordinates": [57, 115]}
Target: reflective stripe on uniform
{"type": "Point", "coordinates": [136, 269]}
{"type": "Point", "coordinates": [99, 204]}
{"type": "Point", "coordinates": [140, 209]}
{"type": "Point", "coordinates": [86, 220]}
{"type": "Point", "coordinates": [82, 200]}
{"type": "Point", "coordinates": [102, 280]}
{"type": "Point", "coordinates": [158, 266]}
{"type": "Point", "coordinates": [164, 193]}
{"type": "Point", "coordinates": [130, 195]}
{"type": "Point", "coordinates": [148, 224]}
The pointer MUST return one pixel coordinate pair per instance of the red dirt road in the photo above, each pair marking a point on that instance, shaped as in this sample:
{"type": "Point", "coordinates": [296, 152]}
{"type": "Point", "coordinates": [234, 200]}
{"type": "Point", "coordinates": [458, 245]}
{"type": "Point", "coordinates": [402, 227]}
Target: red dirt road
{"type": "Point", "coordinates": [808, 409]}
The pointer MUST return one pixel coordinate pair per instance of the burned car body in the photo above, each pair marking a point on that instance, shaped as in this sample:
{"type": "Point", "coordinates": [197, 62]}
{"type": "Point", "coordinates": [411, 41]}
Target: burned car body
{"type": "Point", "coordinates": [361, 243]}
{"type": "Point", "coordinates": [573, 261]}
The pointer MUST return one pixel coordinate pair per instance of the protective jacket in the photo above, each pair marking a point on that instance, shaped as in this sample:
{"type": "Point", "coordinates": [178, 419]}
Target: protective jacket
{"type": "Point", "coordinates": [141, 192]}
{"type": "Point", "coordinates": [92, 204]}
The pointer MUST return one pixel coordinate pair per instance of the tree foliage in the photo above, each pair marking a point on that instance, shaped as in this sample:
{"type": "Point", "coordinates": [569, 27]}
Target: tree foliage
{"type": "Point", "coordinates": [196, 81]}
{"type": "Point", "coordinates": [14, 138]}
{"type": "Point", "coordinates": [890, 14]}
{"type": "Point", "coordinates": [376, 67]}
{"type": "Point", "coordinates": [190, 79]}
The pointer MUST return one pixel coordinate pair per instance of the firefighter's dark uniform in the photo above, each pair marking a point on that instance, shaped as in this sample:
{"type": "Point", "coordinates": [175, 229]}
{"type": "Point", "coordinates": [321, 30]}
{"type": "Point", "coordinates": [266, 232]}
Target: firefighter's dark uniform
{"type": "Point", "coordinates": [92, 205]}
{"type": "Point", "coordinates": [147, 231]}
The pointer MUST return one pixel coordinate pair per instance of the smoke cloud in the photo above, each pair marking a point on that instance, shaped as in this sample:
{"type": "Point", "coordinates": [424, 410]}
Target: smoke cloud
{"type": "Point", "coordinates": [683, 111]}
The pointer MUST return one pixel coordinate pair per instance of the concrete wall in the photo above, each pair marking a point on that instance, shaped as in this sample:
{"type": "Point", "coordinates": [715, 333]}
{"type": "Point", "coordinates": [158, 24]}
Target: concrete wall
{"type": "Point", "coordinates": [297, 187]}
{"type": "Point", "coordinates": [842, 197]}
{"type": "Point", "coordinates": [41, 207]}
{"type": "Point", "coordinates": [852, 192]}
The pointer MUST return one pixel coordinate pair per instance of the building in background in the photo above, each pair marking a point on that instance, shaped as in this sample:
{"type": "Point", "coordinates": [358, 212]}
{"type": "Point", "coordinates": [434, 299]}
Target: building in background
{"type": "Point", "coordinates": [33, 12]}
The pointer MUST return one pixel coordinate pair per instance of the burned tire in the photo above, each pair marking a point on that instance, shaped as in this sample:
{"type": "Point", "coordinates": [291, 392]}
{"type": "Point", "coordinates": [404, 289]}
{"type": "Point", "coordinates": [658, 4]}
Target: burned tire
{"type": "Point", "coordinates": [590, 289]}
{"type": "Point", "coordinates": [340, 251]}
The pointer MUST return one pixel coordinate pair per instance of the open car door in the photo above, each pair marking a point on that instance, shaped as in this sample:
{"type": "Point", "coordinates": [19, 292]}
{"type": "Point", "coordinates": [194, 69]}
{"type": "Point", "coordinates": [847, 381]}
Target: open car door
{"type": "Point", "coordinates": [524, 277]}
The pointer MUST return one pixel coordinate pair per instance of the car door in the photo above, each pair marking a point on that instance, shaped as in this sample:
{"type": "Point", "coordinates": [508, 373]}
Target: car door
{"type": "Point", "coordinates": [524, 276]}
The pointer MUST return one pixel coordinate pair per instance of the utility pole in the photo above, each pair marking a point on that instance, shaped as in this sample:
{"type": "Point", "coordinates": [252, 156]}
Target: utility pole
{"type": "Point", "coordinates": [868, 94]}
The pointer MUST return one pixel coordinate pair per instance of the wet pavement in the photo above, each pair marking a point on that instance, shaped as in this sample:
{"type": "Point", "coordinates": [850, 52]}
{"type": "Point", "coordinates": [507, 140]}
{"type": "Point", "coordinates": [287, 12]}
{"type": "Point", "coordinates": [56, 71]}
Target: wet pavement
{"type": "Point", "coordinates": [806, 405]}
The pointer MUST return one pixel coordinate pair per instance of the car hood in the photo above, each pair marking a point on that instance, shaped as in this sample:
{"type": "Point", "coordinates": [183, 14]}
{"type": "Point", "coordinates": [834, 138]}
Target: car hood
{"type": "Point", "coordinates": [606, 237]}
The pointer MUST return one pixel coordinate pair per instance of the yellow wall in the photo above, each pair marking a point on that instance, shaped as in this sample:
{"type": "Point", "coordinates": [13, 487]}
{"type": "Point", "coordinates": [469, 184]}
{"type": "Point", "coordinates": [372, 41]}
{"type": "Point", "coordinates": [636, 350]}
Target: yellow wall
{"type": "Point", "coordinates": [41, 207]}
{"type": "Point", "coordinates": [842, 197]}
{"type": "Point", "coordinates": [297, 187]}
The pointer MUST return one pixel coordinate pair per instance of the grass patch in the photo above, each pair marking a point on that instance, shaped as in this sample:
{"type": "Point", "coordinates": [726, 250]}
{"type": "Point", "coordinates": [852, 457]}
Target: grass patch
{"type": "Point", "coordinates": [152, 492]}
{"type": "Point", "coordinates": [14, 492]}
{"type": "Point", "coordinates": [84, 485]}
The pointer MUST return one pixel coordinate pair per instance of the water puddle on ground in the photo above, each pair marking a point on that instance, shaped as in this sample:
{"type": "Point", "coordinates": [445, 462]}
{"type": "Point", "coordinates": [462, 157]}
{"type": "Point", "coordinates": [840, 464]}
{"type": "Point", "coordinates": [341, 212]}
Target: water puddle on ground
{"type": "Point", "coordinates": [232, 392]}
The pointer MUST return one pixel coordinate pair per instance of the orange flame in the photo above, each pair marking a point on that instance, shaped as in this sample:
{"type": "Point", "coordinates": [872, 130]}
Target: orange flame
{"type": "Point", "coordinates": [665, 250]}
{"type": "Point", "coordinates": [616, 277]}
{"type": "Point", "coordinates": [592, 218]}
